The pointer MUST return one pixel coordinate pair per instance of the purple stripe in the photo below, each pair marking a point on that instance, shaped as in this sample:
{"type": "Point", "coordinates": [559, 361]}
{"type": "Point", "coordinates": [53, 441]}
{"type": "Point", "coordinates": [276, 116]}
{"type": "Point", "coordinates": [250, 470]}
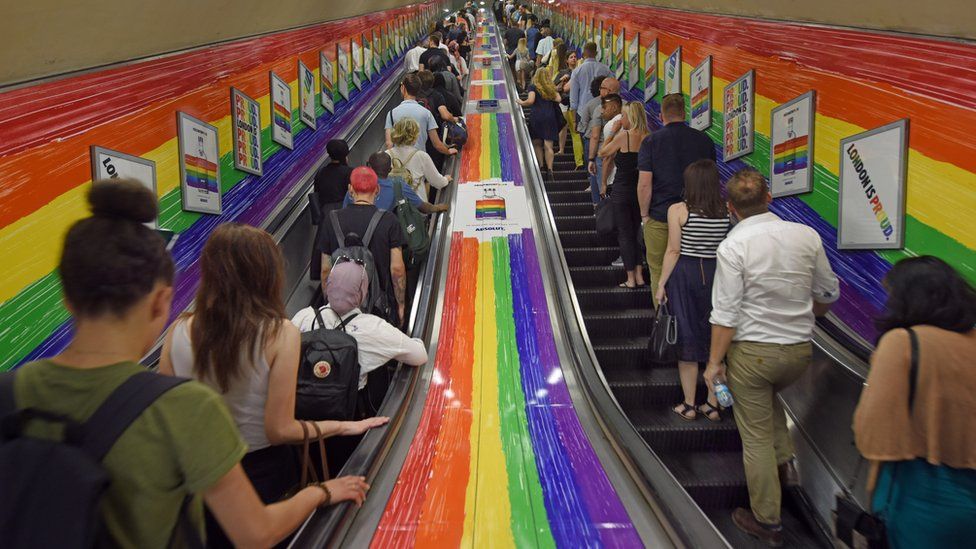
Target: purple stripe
{"type": "Point", "coordinates": [605, 508]}
{"type": "Point", "coordinates": [250, 201]}
{"type": "Point", "coordinates": [511, 169]}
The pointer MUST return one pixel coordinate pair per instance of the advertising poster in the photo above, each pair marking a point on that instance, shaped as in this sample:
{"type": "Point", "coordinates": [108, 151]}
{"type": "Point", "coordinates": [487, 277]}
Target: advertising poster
{"type": "Point", "coordinates": [607, 46]}
{"type": "Point", "coordinates": [598, 38]}
{"type": "Point", "coordinates": [109, 164]}
{"type": "Point", "coordinates": [871, 197]}
{"type": "Point", "coordinates": [701, 95]}
{"type": "Point", "coordinates": [355, 65]}
{"type": "Point", "coordinates": [246, 132]}
{"type": "Point", "coordinates": [327, 83]}
{"type": "Point", "coordinates": [367, 58]}
{"type": "Point", "coordinates": [672, 73]}
{"type": "Point", "coordinates": [791, 158]}
{"type": "Point", "coordinates": [740, 122]}
{"type": "Point", "coordinates": [650, 72]}
{"type": "Point", "coordinates": [280, 111]}
{"type": "Point", "coordinates": [342, 72]}
{"type": "Point", "coordinates": [620, 55]}
{"type": "Point", "coordinates": [378, 51]}
{"type": "Point", "coordinates": [633, 58]}
{"type": "Point", "coordinates": [306, 95]}
{"type": "Point", "coordinates": [491, 208]}
{"type": "Point", "coordinates": [199, 165]}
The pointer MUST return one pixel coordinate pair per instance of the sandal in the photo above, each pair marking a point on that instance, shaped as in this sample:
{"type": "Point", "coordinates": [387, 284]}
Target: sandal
{"type": "Point", "coordinates": [625, 285]}
{"type": "Point", "coordinates": [682, 411]}
{"type": "Point", "coordinates": [708, 410]}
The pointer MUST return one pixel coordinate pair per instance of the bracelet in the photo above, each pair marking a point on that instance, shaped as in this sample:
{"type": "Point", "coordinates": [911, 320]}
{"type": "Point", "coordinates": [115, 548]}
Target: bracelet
{"type": "Point", "coordinates": [593, 159]}
{"type": "Point", "coordinates": [328, 493]}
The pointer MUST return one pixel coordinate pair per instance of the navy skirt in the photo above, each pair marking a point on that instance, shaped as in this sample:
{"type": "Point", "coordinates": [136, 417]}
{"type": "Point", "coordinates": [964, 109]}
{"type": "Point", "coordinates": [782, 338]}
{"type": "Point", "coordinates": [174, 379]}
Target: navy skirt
{"type": "Point", "coordinates": [689, 291]}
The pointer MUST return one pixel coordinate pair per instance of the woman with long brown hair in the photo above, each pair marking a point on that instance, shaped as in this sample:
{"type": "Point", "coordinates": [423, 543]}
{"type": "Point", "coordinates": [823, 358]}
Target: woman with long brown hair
{"type": "Point", "coordinates": [547, 118]}
{"type": "Point", "coordinates": [239, 341]}
{"type": "Point", "coordinates": [696, 227]}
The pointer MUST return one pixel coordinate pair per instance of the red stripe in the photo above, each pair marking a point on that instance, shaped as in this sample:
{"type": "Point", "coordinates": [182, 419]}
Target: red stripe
{"type": "Point", "coordinates": [791, 144]}
{"type": "Point", "coordinates": [201, 163]}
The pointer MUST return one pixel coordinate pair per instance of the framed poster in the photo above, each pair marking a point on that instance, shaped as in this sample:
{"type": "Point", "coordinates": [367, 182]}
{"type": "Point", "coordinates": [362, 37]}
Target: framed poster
{"type": "Point", "coordinates": [342, 72]}
{"type": "Point", "coordinates": [871, 198]}
{"type": "Point", "coordinates": [280, 111]}
{"type": "Point", "coordinates": [378, 51]}
{"type": "Point", "coordinates": [672, 73]}
{"type": "Point", "coordinates": [620, 55]}
{"type": "Point", "coordinates": [740, 121]}
{"type": "Point", "coordinates": [633, 57]}
{"type": "Point", "coordinates": [701, 95]}
{"type": "Point", "coordinates": [791, 158]}
{"type": "Point", "coordinates": [199, 164]}
{"type": "Point", "coordinates": [327, 89]}
{"type": "Point", "coordinates": [306, 95]}
{"type": "Point", "coordinates": [356, 65]}
{"type": "Point", "coordinates": [650, 72]}
{"type": "Point", "coordinates": [246, 132]}
{"type": "Point", "coordinates": [600, 55]}
{"type": "Point", "coordinates": [367, 58]}
{"type": "Point", "coordinates": [109, 164]}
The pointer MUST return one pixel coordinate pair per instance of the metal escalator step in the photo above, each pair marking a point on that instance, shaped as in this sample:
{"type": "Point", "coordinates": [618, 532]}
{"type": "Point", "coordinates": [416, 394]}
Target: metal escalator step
{"type": "Point", "coordinates": [568, 185]}
{"type": "Point", "coordinates": [664, 431]}
{"type": "Point", "coordinates": [585, 239]}
{"type": "Point", "coordinates": [620, 323]}
{"type": "Point", "coordinates": [613, 298]}
{"type": "Point", "coordinates": [565, 165]}
{"type": "Point", "coordinates": [585, 276]}
{"type": "Point", "coordinates": [580, 175]}
{"type": "Point", "coordinates": [716, 480]}
{"type": "Point", "coordinates": [574, 196]}
{"type": "Point", "coordinates": [575, 208]}
{"type": "Point", "coordinates": [567, 156]}
{"type": "Point", "coordinates": [623, 355]}
{"type": "Point", "coordinates": [646, 386]}
{"type": "Point", "coordinates": [593, 256]}
{"type": "Point", "coordinates": [575, 222]}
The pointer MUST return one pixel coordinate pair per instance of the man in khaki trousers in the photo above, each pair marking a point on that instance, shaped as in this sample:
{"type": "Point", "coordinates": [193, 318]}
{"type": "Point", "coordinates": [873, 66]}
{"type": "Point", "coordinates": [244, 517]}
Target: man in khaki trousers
{"type": "Point", "coordinates": [772, 278]}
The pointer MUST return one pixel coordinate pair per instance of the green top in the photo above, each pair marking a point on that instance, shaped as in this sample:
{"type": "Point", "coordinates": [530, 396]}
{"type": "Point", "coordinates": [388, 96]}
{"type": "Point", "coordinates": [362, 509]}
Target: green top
{"type": "Point", "coordinates": [182, 444]}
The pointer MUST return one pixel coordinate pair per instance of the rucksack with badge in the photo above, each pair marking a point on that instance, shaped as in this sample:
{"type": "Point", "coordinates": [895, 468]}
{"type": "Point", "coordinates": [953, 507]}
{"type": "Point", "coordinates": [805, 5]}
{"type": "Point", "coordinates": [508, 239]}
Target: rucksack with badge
{"type": "Point", "coordinates": [328, 376]}
{"type": "Point", "coordinates": [352, 248]}
{"type": "Point", "coordinates": [399, 170]}
{"type": "Point", "coordinates": [52, 488]}
{"type": "Point", "coordinates": [413, 225]}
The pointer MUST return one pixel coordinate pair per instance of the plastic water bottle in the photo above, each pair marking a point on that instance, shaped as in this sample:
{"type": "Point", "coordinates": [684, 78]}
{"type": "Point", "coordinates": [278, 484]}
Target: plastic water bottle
{"type": "Point", "coordinates": [722, 394]}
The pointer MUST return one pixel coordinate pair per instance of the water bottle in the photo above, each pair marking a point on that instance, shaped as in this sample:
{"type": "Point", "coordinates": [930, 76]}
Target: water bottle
{"type": "Point", "coordinates": [722, 393]}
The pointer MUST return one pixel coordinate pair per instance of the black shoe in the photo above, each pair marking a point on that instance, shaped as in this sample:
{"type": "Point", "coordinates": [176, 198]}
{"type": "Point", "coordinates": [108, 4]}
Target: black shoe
{"type": "Point", "coordinates": [769, 534]}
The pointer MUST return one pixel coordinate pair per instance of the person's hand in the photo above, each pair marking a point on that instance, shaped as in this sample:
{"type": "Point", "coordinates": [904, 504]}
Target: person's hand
{"type": "Point", "coordinates": [660, 295]}
{"type": "Point", "coordinates": [603, 190]}
{"type": "Point", "coordinates": [591, 167]}
{"type": "Point", "coordinates": [438, 208]}
{"type": "Point", "coordinates": [347, 489]}
{"type": "Point", "coordinates": [714, 370]}
{"type": "Point", "coordinates": [449, 178]}
{"type": "Point", "coordinates": [452, 151]}
{"type": "Point", "coordinates": [403, 317]}
{"type": "Point", "coordinates": [616, 126]}
{"type": "Point", "coordinates": [360, 427]}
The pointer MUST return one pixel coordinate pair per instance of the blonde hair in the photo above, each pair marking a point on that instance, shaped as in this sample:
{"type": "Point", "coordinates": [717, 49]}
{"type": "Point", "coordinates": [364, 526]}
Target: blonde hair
{"type": "Point", "coordinates": [405, 132]}
{"type": "Point", "coordinates": [544, 85]}
{"type": "Point", "coordinates": [634, 111]}
{"type": "Point", "coordinates": [523, 45]}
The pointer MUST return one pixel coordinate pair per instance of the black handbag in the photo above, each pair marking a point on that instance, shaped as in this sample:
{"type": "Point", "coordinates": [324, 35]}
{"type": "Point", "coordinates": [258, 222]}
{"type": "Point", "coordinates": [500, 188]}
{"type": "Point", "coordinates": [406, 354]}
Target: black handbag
{"type": "Point", "coordinates": [605, 223]}
{"type": "Point", "coordinates": [663, 346]}
{"type": "Point", "coordinates": [855, 527]}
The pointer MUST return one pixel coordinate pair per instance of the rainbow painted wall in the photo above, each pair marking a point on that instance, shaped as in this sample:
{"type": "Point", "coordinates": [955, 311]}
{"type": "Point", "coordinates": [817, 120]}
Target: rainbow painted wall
{"type": "Point", "coordinates": [863, 80]}
{"type": "Point", "coordinates": [46, 131]}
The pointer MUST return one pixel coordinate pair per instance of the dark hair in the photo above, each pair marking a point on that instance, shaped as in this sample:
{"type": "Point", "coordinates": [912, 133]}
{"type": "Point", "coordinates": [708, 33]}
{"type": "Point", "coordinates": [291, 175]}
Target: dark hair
{"type": "Point", "coordinates": [436, 37]}
{"type": "Point", "coordinates": [111, 260]}
{"type": "Point", "coordinates": [673, 105]}
{"type": "Point", "coordinates": [613, 98]}
{"type": "Point", "coordinates": [748, 192]}
{"type": "Point", "coordinates": [589, 49]}
{"type": "Point", "coordinates": [242, 276]}
{"type": "Point", "coordinates": [562, 54]}
{"type": "Point", "coordinates": [338, 150]}
{"type": "Point", "coordinates": [595, 85]}
{"type": "Point", "coordinates": [426, 79]}
{"type": "Point", "coordinates": [926, 290]}
{"type": "Point", "coordinates": [412, 85]}
{"type": "Point", "coordinates": [703, 190]}
{"type": "Point", "coordinates": [381, 164]}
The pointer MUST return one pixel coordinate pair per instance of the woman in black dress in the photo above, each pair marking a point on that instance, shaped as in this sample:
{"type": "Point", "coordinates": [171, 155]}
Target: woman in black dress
{"type": "Point", "coordinates": [547, 118]}
{"type": "Point", "coordinates": [623, 144]}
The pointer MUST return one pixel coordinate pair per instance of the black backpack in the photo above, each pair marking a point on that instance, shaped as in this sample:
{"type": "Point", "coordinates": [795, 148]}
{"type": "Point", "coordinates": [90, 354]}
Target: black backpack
{"type": "Point", "coordinates": [52, 488]}
{"type": "Point", "coordinates": [328, 376]}
{"type": "Point", "coordinates": [358, 251]}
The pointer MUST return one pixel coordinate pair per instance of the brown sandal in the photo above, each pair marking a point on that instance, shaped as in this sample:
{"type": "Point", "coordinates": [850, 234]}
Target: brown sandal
{"type": "Point", "coordinates": [682, 411]}
{"type": "Point", "coordinates": [707, 410]}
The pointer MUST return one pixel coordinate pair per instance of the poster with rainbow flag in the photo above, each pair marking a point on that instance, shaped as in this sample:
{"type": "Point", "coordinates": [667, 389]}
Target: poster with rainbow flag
{"type": "Point", "coordinates": [633, 58]}
{"type": "Point", "coordinates": [701, 95]}
{"type": "Point", "coordinates": [378, 51]}
{"type": "Point", "coordinates": [740, 121]}
{"type": "Point", "coordinates": [281, 127]}
{"type": "Point", "coordinates": [342, 73]}
{"type": "Point", "coordinates": [650, 72]}
{"type": "Point", "coordinates": [356, 72]}
{"type": "Point", "coordinates": [246, 132]}
{"type": "Point", "coordinates": [199, 171]}
{"type": "Point", "coordinates": [791, 141]}
{"type": "Point", "coordinates": [327, 89]}
{"type": "Point", "coordinates": [672, 73]}
{"type": "Point", "coordinates": [306, 95]}
{"type": "Point", "coordinates": [620, 55]}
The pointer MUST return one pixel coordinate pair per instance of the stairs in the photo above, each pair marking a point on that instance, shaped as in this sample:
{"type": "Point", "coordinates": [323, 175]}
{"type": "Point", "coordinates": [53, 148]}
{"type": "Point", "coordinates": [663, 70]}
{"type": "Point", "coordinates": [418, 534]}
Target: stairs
{"type": "Point", "coordinates": [705, 457]}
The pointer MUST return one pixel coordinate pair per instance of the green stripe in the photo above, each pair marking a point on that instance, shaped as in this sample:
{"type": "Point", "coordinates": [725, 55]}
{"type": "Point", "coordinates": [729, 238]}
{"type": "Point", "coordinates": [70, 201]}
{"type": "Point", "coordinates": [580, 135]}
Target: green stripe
{"type": "Point", "coordinates": [530, 524]}
{"type": "Point", "coordinates": [496, 159]}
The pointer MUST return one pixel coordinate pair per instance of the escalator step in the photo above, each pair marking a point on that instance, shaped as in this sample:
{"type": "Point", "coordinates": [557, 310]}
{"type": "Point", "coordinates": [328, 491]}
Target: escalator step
{"type": "Point", "coordinates": [593, 256]}
{"type": "Point", "coordinates": [664, 431]}
{"type": "Point", "coordinates": [561, 166]}
{"type": "Point", "coordinates": [716, 480]}
{"type": "Point", "coordinates": [585, 239]}
{"type": "Point", "coordinates": [613, 299]}
{"type": "Point", "coordinates": [580, 175]}
{"type": "Point", "coordinates": [619, 357]}
{"type": "Point", "coordinates": [576, 208]}
{"type": "Point", "coordinates": [568, 185]}
{"type": "Point", "coordinates": [599, 276]}
{"type": "Point", "coordinates": [620, 323]}
{"type": "Point", "coordinates": [576, 222]}
{"type": "Point", "coordinates": [645, 386]}
{"type": "Point", "coordinates": [574, 196]}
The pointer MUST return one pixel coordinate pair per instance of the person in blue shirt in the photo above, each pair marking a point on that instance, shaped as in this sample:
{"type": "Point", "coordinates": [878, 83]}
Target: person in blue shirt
{"type": "Point", "coordinates": [531, 34]}
{"type": "Point", "coordinates": [382, 164]}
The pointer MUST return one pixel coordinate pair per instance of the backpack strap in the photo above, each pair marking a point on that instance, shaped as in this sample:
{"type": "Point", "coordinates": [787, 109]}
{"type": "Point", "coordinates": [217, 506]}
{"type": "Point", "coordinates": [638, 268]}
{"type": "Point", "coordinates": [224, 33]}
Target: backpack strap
{"type": "Point", "coordinates": [913, 373]}
{"type": "Point", "coordinates": [409, 158]}
{"type": "Point", "coordinates": [397, 194]}
{"type": "Point", "coordinates": [340, 239]}
{"type": "Point", "coordinates": [122, 407]}
{"type": "Point", "coordinates": [373, 222]}
{"type": "Point", "coordinates": [343, 323]}
{"type": "Point", "coordinates": [8, 403]}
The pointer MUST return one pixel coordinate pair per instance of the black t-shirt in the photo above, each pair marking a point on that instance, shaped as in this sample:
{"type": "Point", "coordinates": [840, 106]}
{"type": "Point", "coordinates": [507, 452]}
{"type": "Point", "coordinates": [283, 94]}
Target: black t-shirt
{"type": "Point", "coordinates": [355, 219]}
{"type": "Point", "coordinates": [450, 101]}
{"type": "Point", "coordinates": [332, 182]}
{"type": "Point", "coordinates": [434, 100]}
{"type": "Point", "coordinates": [427, 58]}
{"type": "Point", "coordinates": [512, 36]}
{"type": "Point", "coordinates": [666, 153]}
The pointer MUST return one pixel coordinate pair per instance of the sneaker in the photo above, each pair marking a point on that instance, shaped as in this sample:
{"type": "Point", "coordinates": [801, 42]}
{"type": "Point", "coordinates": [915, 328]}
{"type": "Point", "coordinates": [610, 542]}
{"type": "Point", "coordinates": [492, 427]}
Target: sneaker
{"type": "Point", "coordinates": [788, 476]}
{"type": "Point", "coordinates": [619, 262]}
{"type": "Point", "coordinates": [771, 535]}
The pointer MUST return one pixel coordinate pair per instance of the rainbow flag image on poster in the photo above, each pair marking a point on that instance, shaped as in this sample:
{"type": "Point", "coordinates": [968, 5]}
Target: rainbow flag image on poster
{"type": "Point", "coordinates": [343, 79]}
{"type": "Point", "coordinates": [490, 208]}
{"type": "Point", "coordinates": [650, 72]}
{"type": "Point", "coordinates": [327, 92]}
{"type": "Point", "coordinates": [200, 173]}
{"type": "Point", "coordinates": [633, 57]}
{"type": "Point", "coordinates": [699, 103]}
{"type": "Point", "coordinates": [620, 55]}
{"type": "Point", "coordinates": [791, 155]}
{"type": "Point", "coordinates": [282, 118]}
{"type": "Point", "coordinates": [701, 91]}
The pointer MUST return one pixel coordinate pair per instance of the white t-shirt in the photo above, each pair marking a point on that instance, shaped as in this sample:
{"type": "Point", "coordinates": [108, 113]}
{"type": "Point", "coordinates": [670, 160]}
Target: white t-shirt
{"type": "Point", "coordinates": [411, 61]}
{"type": "Point", "coordinates": [606, 138]}
{"type": "Point", "coordinates": [421, 167]}
{"type": "Point", "coordinates": [544, 48]}
{"type": "Point", "coordinates": [379, 341]}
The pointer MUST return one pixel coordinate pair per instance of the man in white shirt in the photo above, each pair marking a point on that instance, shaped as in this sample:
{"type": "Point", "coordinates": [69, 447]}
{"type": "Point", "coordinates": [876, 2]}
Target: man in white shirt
{"type": "Point", "coordinates": [411, 61]}
{"type": "Point", "coordinates": [544, 48]}
{"type": "Point", "coordinates": [772, 279]}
